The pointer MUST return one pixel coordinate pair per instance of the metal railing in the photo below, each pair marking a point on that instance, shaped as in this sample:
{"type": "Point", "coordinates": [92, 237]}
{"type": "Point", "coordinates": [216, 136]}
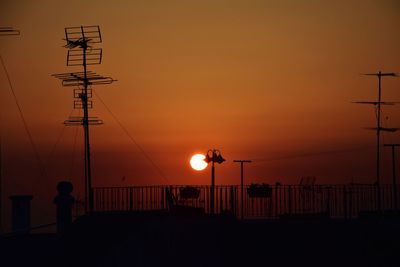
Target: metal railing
{"type": "Point", "coordinates": [273, 201]}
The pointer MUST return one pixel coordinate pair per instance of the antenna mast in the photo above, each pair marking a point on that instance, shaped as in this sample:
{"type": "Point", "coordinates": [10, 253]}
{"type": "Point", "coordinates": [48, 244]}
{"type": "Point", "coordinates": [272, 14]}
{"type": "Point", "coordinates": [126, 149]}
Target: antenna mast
{"type": "Point", "coordinates": [81, 53]}
{"type": "Point", "coordinates": [378, 127]}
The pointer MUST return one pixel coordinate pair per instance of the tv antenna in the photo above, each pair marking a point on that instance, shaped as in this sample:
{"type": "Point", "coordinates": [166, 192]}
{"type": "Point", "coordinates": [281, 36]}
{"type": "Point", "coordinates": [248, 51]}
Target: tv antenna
{"type": "Point", "coordinates": [378, 127]}
{"type": "Point", "coordinates": [4, 31]}
{"type": "Point", "coordinates": [81, 52]}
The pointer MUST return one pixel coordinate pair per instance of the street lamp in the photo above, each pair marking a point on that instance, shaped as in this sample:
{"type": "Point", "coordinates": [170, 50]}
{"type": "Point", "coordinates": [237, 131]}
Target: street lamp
{"type": "Point", "coordinates": [213, 156]}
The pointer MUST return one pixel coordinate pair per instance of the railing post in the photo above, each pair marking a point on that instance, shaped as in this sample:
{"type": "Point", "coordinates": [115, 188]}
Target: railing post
{"type": "Point", "coordinates": [162, 199]}
{"type": "Point", "coordinates": [131, 198]}
{"type": "Point", "coordinates": [276, 199]}
{"type": "Point", "coordinates": [290, 200]}
{"type": "Point", "coordinates": [221, 201]}
{"type": "Point", "coordinates": [328, 201]}
{"type": "Point", "coordinates": [232, 200]}
{"type": "Point", "coordinates": [345, 202]}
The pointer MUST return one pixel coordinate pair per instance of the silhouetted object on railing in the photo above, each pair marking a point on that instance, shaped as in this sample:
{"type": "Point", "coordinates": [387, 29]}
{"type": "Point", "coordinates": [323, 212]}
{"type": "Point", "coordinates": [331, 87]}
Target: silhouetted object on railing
{"type": "Point", "coordinates": [308, 192]}
{"type": "Point", "coordinates": [189, 192]}
{"type": "Point", "coordinates": [21, 213]}
{"type": "Point", "coordinates": [175, 207]}
{"type": "Point", "coordinates": [64, 202]}
{"type": "Point", "coordinates": [213, 156]}
{"type": "Point", "coordinates": [82, 53]}
{"type": "Point", "coordinates": [259, 191]}
{"type": "Point", "coordinates": [378, 127]}
{"type": "Point", "coordinates": [393, 146]}
{"type": "Point", "coordinates": [242, 184]}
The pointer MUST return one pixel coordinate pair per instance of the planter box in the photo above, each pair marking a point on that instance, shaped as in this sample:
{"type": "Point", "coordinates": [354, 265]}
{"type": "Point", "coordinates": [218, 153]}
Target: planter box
{"type": "Point", "coordinates": [189, 192]}
{"type": "Point", "coordinates": [259, 191]}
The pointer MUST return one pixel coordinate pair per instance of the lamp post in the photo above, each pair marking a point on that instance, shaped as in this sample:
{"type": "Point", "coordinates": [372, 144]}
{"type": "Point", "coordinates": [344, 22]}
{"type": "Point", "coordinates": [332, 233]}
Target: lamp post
{"type": "Point", "coordinates": [213, 156]}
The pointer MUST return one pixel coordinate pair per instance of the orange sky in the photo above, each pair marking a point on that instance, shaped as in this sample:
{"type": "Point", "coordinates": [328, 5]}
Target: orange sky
{"type": "Point", "coordinates": [265, 80]}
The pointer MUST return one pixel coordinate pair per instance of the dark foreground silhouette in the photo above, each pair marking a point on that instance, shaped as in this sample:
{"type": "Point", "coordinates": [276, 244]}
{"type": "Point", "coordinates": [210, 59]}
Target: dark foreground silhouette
{"type": "Point", "coordinates": [162, 239]}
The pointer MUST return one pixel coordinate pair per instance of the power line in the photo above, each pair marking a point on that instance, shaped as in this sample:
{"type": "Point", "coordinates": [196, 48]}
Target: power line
{"type": "Point", "coordinates": [155, 166]}
{"type": "Point", "coordinates": [39, 161]}
{"type": "Point", "coordinates": [73, 152]}
{"type": "Point", "coordinates": [303, 155]}
{"type": "Point", "coordinates": [59, 137]}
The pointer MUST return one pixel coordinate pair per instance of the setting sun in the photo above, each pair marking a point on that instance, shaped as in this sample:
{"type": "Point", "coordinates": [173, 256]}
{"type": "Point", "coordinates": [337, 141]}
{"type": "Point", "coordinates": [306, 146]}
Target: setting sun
{"type": "Point", "coordinates": [197, 162]}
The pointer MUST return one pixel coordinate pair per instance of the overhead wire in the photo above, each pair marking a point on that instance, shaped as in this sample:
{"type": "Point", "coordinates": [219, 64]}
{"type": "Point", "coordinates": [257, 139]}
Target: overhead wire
{"type": "Point", "coordinates": [74, 150]}
{"type": "Point", "coordinates": [302, 155]}
{"type": "Point", "coordinates": [139, 147]}
{"type": "Point", "coordinates": [59, 137]}
{"type": "Point", "coordinates": [33, 145]}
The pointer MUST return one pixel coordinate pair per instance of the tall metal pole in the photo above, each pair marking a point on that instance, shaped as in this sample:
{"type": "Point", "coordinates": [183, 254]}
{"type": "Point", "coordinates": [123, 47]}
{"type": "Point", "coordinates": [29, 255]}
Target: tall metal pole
{"type": "Point", "coordinates": [378, 131]}
{"type": "Point", "coordinates": [394, 174]}
{"type": "Point", "coordinates": [242, 186]}
{"type": "Point", "coordinates": [88, 173]}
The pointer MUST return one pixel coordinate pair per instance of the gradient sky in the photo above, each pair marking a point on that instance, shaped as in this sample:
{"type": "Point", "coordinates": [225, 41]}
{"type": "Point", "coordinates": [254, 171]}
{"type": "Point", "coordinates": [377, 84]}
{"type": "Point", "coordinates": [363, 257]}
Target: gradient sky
{"type": "Point", "coordinates": [265, 80]}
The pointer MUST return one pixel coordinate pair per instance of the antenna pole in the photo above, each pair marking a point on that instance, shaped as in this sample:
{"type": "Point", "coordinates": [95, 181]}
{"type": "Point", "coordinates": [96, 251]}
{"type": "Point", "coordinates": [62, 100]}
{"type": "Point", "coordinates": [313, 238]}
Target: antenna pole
{"type": "Point", "coordinates": [379, 128]}
{"type": "Point", "coordinates": [378, 131]}
{"type": "Point", "coordinates": [241, 185]}
{"type": "Point", "coordinates": [88, 172]}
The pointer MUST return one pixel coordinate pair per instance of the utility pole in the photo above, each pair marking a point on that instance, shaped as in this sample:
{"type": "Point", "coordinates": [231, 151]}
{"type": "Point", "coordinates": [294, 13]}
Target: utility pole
{"type": "Point", "coordinates": [241, 185]}
{"type": "Point", "coordinates": [393, 146]}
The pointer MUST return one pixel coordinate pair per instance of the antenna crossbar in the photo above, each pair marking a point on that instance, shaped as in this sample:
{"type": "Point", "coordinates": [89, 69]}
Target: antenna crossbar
{"type": "Point", "coordinates": [79, 121]}
{"type": "Point", "coordinates": [78, 79]}
{"type": "Point", "coordinates": [78, 104]}
{"type": "Point", "coordinates": [93, 57]}
{"type": "Point", "coordinates": [380, 74]}
{"type": "Point", "coordinates": [375, 102]}
{"type": "Point", "coordinates": [7, 31]}
{"type": "Point", "coordinates": [88, 34]}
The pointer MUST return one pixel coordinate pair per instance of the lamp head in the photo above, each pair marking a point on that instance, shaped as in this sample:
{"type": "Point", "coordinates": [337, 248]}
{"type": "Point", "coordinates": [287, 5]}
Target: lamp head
{"type": "Point", "coordinates": [214, 155]}
{"type": "Point", "coordinates": [219, 159]}
{"type": "Point", "coordinates": [208, 159]}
